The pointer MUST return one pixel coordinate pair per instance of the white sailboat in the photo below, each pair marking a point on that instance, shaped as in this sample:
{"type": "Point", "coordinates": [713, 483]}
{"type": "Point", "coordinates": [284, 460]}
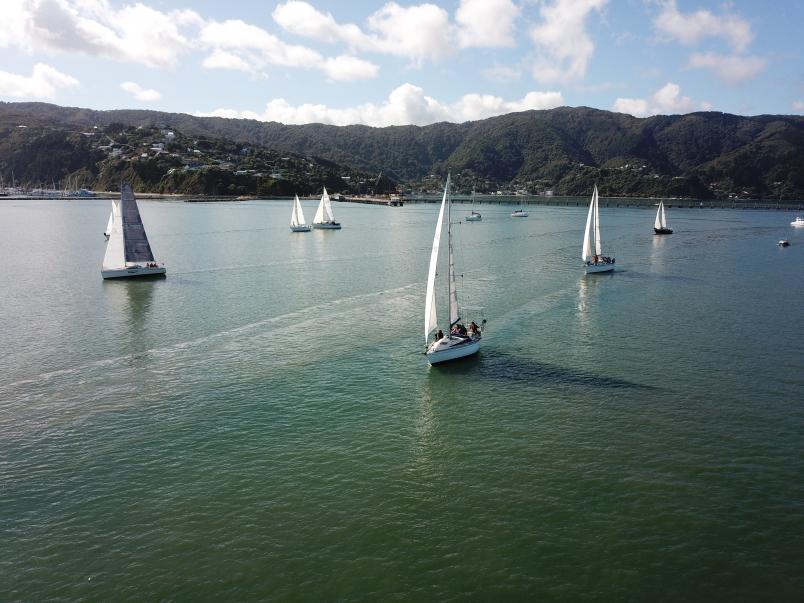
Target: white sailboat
{"type": "Point", "coordinates": [297, 223]}
{"type": "Point", "coordinates": [474, 216]}
{"type": "Point", "coordinates": [519, 213]}
{"type": "Point", "coordinates": [114, 214]}
{"type": "Point", "coordinates": [594, 260]}
{"type": "Point", "coordinates": [660, 224]}
{"type": "Point", "coordinates": [128, 253]}
{"type": "Point", "coordinates": [458, 342]}
{"type": "Point", "coordinates": [323, 215]}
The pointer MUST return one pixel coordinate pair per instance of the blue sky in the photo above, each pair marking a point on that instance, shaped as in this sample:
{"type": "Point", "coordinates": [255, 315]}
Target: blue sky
{"type": "Point", "coordinates": [387, 63]}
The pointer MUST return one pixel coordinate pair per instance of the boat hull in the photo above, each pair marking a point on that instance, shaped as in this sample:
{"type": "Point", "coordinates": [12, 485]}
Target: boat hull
{"type": "Point", "coordinates": [302, 228]}
{"type": "Point", "coordinates": [447, 349]}
{"type": "Point", "coordinates": [327, 226]}
{"type": "Point", "coordinates": [797, 223]}
{"type": "Point", "coordinates": [519, 214]}
{"type": "Point", "coordinates": [661, 231]}
{"type": "Point", "coordinates": [134, 272]}
{"type": "Point", "coordinates": [594, 268]}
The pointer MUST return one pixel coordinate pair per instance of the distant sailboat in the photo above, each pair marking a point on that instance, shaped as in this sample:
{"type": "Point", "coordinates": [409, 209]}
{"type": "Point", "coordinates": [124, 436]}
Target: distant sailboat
{"type": "Point", "coordinates": [660, 225]}
{"type": "Point", "coordinates": [323, 215]}
{"type": "Point", "coordinates": [458, 342]}
{"type": "Point", "coordinates": [519, 213]}
{"type": "Point", "coordinates": [114, 214]}
{"type": "Point", "coordinates": [297, 223]}
{"type": "Point", "coordinates": [594, 260]}
{"type": "Point", "coordinates": [128, 253]}
{"type": "Point", "coordinates": [474, 216]}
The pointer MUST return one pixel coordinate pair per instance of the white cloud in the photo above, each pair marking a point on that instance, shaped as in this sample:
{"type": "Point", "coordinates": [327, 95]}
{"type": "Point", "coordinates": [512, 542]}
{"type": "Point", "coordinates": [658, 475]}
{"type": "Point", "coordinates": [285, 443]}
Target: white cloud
{"type": "Point", "coordinates": [486, 23]}
{"type": "Point", "coordinates": [419, 32]}
{"type": "Point", "coordinates": [140, 93]}
{"type": "Point", "coordinates": [240, 46]}
{"type": "Point", "coordinates": [347, 68]}
{"type": "Point", "coordinates": [733, 69]}
{"type": "Point", "coordinates": [691, 28]}
{"type": "Point", "coordinates": [43, 82]}
{"type": "Point", "coordinates": [134, 33]}
{"type": "Point", "coordinates": [564, 48]}
{"type": "Point", "coordinates": [798, 106]}
{"type": "Point", "coordinates": [666, 100]}
{"type": "Point", "coordinates": [407, 104]}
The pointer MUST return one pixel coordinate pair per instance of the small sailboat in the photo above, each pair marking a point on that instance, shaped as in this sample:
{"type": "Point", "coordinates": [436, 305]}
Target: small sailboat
{"type": "Point", "coordinates": [297, 223]}
{"type": "Point", "coordinates": [114, 214]}
{"type": "Point", "coordinates": [594, 260]}
{"type": "Point", "coordinates": [474, 216]}
{"type": "Point", "coordinates": [458, 342]}
{"type": "Point", "coordinates": [323, 215]}
{"type": "Point", "coordinates": [798, 222]}
{"type": "Point", "coordinates": [660, 224]}
{"type": "Point", "coordinates": [128, 253]}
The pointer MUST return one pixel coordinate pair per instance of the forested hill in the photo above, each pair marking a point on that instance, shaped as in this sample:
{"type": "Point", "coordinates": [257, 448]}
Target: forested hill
{"type": "Point", "coordinates": [565, 150]}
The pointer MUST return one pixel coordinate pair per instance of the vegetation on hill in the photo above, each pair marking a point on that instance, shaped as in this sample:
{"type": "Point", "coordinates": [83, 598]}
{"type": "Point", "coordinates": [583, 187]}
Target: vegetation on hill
{"type": "Point", "coordinates": [562, 150]}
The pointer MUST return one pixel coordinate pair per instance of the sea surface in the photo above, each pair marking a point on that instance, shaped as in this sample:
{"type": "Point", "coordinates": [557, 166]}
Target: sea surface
{"type": "Point", "coordinates": [262, 424]}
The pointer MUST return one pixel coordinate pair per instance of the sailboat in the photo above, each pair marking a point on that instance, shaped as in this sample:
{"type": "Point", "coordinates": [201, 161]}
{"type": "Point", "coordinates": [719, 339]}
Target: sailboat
{"type": "Point", "coordinates": [114, 214]}
{"type": "Point", "coordinates": [594, 260]}
{"type": "Point", "coordinates": [323, 215]}
{"type": "Point", "coordinates": [660, 225]}
{"type": "Point", "coordinates": [297, 223]}
{"type": "Point", "coordinates": [458, 342]}
{"type": "Point", "coordinates": [519, 213]}
{"type": "Point", "coordinates": [474, 216]}
{"type": "Point", "coordinates": [128, 253]}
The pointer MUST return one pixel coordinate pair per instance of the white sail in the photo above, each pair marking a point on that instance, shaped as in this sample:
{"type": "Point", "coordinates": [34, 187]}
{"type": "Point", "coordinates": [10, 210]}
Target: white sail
{"type": "Point", "coordinates": [297, 215]}
{"type": "Point", "coordinates": [586, 252]}
{"type": "Point", "coordinates": [327, 207]}
{"type": "Point", "coordinates": [430, 319]}
{"type": "Point", "coordinates": [111, 221]}
{"type": "Point", "coordinates": [597, 221]}
{"type": "Point", "coordinates": [115, 256]}
{"type": "Point", "coordinates": [659, 222]}
{"type": "Point", "coordinates": [319, 213]}
{"type": "Point", "coordinates": [664, 220]}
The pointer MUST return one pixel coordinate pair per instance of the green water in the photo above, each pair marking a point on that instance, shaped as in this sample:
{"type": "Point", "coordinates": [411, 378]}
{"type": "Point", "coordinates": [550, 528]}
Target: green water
{"type": "Point", "coordinates": [262, 425]}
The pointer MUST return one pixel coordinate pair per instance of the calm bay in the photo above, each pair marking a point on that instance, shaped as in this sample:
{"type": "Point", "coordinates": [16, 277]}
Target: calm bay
{"type": "Point", "coordinates": [262, 424]}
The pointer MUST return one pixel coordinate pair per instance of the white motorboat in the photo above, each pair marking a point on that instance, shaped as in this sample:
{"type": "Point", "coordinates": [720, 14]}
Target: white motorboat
{"type": "Point", "coordinates": [798, 222]}
{"type": "Point", "coordinates": [297, 223]}
{"type": "Point", "coordinates": [519, 213]}
{"type": "Point", "coordinates": [128, 253]}
{"type": "Point", "coordinates": [591, 254]}
{"type": "Point", "coordinates": [324, 219]}
{"type": "Point", "coordinates": [458, 342]}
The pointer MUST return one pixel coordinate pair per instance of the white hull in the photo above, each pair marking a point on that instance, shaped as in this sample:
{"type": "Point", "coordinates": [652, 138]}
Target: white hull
{"type": "Point", "coordinates": [798, 223]}
{"type": "Point", "coordinates": [519, 214]}
{"type": "Point", "coordinates": [300, 228]}
{"type": "Point", "coordinates": [133, 271]}
{"type": "Point", "coordinates": [591, 268]}
{"type": "Point", "coordinates": [451, 348]}
{"type": "Point", "coordinates": [327, 226]}
{"type": "Point", "coordinates": [474, 218]}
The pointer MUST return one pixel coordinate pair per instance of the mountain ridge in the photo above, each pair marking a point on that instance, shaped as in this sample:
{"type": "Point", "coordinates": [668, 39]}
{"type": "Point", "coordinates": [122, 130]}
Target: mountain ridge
{"type": "Point", "coordinates": [564, 150]}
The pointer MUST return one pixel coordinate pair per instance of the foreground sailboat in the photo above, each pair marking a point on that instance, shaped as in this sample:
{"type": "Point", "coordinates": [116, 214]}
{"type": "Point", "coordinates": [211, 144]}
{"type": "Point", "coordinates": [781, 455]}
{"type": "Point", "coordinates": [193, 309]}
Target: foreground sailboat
{"type": "Point", "coordinates": [297, 223]}
{"type": "Point", "coordinates": [660, 224]}
{"type": "Point", "coordinates": [323, 215]}
{"type": "Point", "coordinates": [594, 260]}
{"type": "Point", "coordinates": [114, 214]}
{"type": "Point", "coordinates": [458, 342]}
{"type": "Point", "coordinates": [128, 253]}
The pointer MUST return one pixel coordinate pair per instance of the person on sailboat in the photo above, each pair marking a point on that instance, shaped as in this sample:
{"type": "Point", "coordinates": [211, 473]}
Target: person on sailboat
{"type": "Point", "coordinates": [440, 335]}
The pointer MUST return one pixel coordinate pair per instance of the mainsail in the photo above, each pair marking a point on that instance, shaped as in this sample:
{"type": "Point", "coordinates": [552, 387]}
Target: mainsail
{"type": "Point", "coordinates": [591, 236]}
{"type": "Point", "coordinates": [324, 212]}
{"type": "Point", "coordinates": [135, 240]}
{"type": "Point", "coordinates": [660, 222]}
{"type": "Point", "coordinates": [430, 319]}
{"type": "Point", "coordinates": [297, 216]}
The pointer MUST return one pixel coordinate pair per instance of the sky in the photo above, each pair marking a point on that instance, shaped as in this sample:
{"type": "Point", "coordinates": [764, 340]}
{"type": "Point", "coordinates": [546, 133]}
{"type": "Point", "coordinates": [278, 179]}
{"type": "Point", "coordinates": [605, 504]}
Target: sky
{"type": "Point", "coordinates": [395, 63]}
